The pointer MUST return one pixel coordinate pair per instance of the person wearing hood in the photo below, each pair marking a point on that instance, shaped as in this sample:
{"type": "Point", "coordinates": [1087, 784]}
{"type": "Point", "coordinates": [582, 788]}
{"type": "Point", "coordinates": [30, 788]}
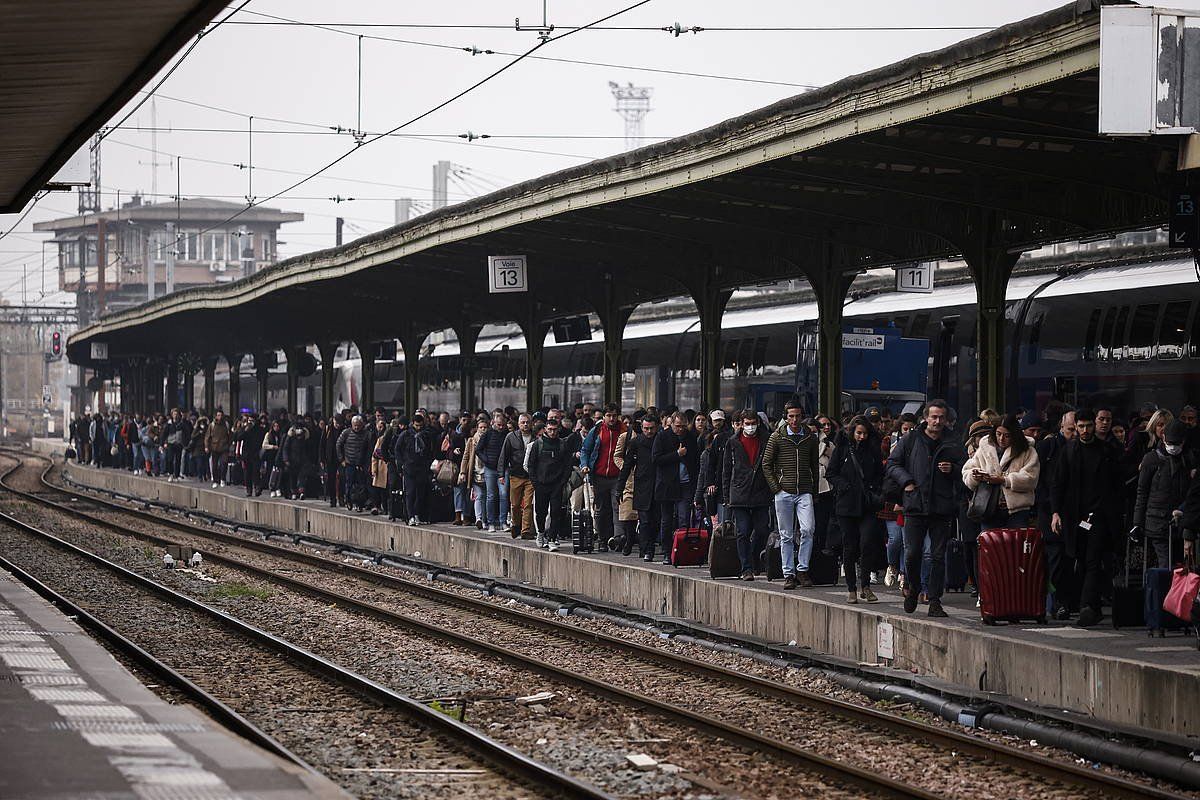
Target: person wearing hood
{"type": "Point", "coordinates": [1164, 478]}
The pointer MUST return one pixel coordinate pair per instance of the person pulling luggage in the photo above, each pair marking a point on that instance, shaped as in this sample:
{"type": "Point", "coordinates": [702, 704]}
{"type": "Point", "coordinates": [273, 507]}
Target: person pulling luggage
{"type": "Point", "coordinates": [747, 493]}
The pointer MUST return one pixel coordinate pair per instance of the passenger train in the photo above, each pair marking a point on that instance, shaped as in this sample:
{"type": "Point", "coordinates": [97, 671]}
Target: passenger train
{"type": "Point", "coordinates": [1115, 334]}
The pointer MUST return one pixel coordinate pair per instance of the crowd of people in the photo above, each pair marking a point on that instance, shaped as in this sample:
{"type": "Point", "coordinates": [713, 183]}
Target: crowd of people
{"type": "Point", "coordinates": [883, 498]}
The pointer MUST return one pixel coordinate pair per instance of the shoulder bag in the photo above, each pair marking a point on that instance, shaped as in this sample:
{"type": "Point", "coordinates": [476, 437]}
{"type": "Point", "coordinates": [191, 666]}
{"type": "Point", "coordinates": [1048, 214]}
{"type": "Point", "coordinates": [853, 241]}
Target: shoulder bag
{"type": "Point", "coordinates": [871, 499]}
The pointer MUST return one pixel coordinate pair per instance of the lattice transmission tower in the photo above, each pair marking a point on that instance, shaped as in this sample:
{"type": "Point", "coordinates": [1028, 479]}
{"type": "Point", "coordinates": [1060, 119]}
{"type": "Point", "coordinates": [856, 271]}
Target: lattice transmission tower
{"type": "Point", "coordinates": [633, 104]}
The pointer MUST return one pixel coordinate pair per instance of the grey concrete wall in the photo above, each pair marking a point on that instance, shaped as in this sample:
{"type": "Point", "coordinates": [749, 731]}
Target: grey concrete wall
{"type": "Point", "coordinates": [1115, 689]}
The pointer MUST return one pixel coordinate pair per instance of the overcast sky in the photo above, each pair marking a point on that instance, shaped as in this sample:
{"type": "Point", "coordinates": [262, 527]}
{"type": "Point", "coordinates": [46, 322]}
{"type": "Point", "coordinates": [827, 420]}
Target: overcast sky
{"type": "Point", "coordinates": [309, 75]}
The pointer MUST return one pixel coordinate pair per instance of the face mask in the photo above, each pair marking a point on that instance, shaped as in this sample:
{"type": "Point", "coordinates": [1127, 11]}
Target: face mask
{"type": "Point", "coordinates": [749, 429]}
{"type": "Point", "coordinates": [1174, 449]}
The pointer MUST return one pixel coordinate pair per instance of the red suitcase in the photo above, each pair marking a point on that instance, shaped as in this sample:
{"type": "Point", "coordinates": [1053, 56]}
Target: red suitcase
{"type": "Point", "coordinates": [689, 547]}
{"type": "Point", "coordinates": [1012, 575]}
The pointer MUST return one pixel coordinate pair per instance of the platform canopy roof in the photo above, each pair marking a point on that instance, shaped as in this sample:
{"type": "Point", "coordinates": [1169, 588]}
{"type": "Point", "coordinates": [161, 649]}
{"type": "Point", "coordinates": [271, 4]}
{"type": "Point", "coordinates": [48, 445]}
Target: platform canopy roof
{"type": "Point", "coordinates": [67, 66]}
{"type": "Point", "coordinates": [991, 140]}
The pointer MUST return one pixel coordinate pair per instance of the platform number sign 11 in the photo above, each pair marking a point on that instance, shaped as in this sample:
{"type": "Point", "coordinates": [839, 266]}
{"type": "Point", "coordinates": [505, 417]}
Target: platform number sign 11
{"type": "Point", "coordinates": [1185, 218]}
{"type": "Point", "coordinates": [915, 277]}
{"type": "Point", "coordinates": [507, 274]}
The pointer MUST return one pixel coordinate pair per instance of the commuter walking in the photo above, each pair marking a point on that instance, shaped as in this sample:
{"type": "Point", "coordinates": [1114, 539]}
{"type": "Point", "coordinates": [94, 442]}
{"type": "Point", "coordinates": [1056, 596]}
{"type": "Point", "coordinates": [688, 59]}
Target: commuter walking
{"type": "Point", "coordinates": [792, 468]}
{"type": "Point", "coordinates": [855, 471]}
{"type": "Point", "coordinates": [1005, 458]}
{"type": "Point", "coordinates": [330, 461]}
{"type": "Point", "coordinates": [1086, 506]}
{"type": "Point", "coordinates": [253, 433]}
{"type": "Point", "coordinates": [1164, 478]}
{"type": "Point", "coordinates": [598, 458]}
{"type": "Point", "coordinates": [748, 495]}
{"type": "Point", "coordinates": [520, 489]}
{"type": "Point", "coordinates": [353, 454]}
{"type": "Point", "coordinates": [415, 450]}
{"type": "Point", "coordinates": [926, 464]}
{"type": "Point", "coordinates": [548, 461]}
{"type": "Point", "coordinates": [676, 455]}
{"type": "Point", "coordinates": [216, 445]}
{"type": "Point", "coordinates": [176, 434]}
{"type": "Point", "coordinates": [638, 462]}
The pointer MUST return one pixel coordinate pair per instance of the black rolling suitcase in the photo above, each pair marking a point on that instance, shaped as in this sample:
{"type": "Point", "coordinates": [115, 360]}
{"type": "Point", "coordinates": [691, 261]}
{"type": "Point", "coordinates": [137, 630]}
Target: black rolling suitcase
{"type": "Point", "coordinates": [823, 569]}
{"type": "Point", "coordinates": [772, 558]}
{"type": "Point", "coordinates": [956, 565]}
{"type": "Point", "coordinates": [1129, 594]}
{"type": "Point", "coordinates": [723, 559]}
{"type": "Point", "coordinates": [583, 523]}
{"type": "Point", "coordinates": [1158, 583]}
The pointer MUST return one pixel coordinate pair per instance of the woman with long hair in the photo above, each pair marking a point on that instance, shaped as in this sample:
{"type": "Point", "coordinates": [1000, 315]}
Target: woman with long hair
{"type": "Point", "coordinates": [1007, 459]}
{"type": "Point", "coordinates": [856, 472]}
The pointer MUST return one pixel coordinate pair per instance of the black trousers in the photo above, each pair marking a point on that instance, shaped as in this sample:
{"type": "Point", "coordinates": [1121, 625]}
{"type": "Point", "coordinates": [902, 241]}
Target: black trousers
{"type": "Point", "coordinates": [416, 494]}
{"type": "Point", "coordinates": [1092, 549]}
{"type": "Point", "coordinates": [647, 526]}
{"type": "Point", "coordinates": [916, 528]}
{"type": "Point", "coordinates": [607, 508]}
{"type": "Point", "coordinates": [858, 535]}
{"type": "Point", "coordinates": [548, 502]}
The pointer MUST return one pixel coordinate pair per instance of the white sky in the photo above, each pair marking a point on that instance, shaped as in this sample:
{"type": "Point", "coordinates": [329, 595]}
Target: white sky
{"type": "Point", "coordinates": [310, 75]}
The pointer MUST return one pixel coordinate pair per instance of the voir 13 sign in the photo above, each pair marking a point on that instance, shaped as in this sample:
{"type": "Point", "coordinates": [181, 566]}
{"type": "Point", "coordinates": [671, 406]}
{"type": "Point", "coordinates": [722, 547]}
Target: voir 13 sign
{"type": "Point", "coordinates": [507, 274]}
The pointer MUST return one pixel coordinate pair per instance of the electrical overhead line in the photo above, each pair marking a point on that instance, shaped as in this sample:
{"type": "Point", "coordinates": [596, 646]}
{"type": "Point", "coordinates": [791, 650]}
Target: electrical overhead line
{"type": "Point", "coordinates": [475, 51]}
{"type": "Point", "coordinates": [334, 132]}
{"type": "Point", "coordinates": [252, 203]}
{"type": "Point", "coordinates": [182, 57]}
{"type": "Point", "coordinates": [277, 21]}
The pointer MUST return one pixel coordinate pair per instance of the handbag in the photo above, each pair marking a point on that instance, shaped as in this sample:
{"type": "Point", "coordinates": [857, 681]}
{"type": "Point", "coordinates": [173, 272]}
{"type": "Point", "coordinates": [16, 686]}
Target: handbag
{"type": "Point", "coordinates": [447, 473]}
{"type": "Point", "coordinates": [1185, 585]}
{"type": "Point", "coordinates": [872, 499]}
{"type": "Point", "coordinates": [984, 502]}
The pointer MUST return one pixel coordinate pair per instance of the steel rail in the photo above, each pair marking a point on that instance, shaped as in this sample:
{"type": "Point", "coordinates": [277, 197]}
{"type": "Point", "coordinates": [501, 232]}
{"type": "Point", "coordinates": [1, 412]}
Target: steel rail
{"type": "Point", "coordinates": [1092, 780]}
{"type": "Point", "coordinates": [503, 757]}
{"type": "Point", "coordinates": [862, 778]}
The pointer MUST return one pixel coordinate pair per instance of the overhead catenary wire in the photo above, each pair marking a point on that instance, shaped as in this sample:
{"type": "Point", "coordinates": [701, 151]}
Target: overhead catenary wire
{"type": "Point", "coordinates": [462, 93]}
{"type": "Point", "coordinates": [475, 51]}
{"type": "Point", "coordinates": [334, 132]}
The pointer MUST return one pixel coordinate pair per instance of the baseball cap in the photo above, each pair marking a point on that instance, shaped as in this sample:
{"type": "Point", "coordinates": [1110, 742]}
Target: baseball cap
{"type": "Point", "coordinates": [717, 414]}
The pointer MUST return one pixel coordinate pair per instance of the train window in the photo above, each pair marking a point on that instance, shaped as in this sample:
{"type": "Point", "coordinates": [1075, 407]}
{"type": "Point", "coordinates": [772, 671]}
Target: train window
{"type": "Point", "coordinates": [920, 326]}
{"type": "Point", "coordinates": [760, 352]}
{"type": "Point", "coordinates": [1117, 346]}
{"type": "Point", "coordinates": [745, 357]}
{"type": "Point", "coordinates": [1089, 341]}
{"type": "Point", "coordinates": [729, 354]}
{"type": "Point", "coordinates": [1141, 332]}
{"type": "Point", "coordinates": [1172, 335]}
{"type": "Point", "coordinates": [1035, 338]}
{"type": "Point", "coordinates": [1104, 348]}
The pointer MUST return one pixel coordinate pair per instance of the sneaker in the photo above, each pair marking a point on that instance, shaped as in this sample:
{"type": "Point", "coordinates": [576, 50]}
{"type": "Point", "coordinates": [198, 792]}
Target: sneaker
{"type": "Point", "coordinates": [935, 608]}
{"type": "Point", "coordinates": [789, 582]}
{"type": "Point", "coordinates": [910, 602]}
{"type": "Point", "coordinates": [1063, 614]}
{"type": "Point", "coordinates": [852, 598]}
{"type": "Point", "coordinates": [222, 484]}
{"type": "Point", "coordinates": [412, 520]}
{"type": "Point", "coordinates": [747, 575]}
{"type": "Point", "coordinates": [374, 511]}
{"type": "Point", "coordinates": [804, 580]}
{"type": "Point", "coordinates": [649, 557]}
{"type": "Point", "coordinates": [666, 560]}
{"type": "Point", "coordinates": [891, 577]}
{"type": "Point", "coordinates": [552, 546]}
{"type": "Point", "coordinates": [868, 595]}
{"type": "Point", "coordinates": [491, 529]}
{"type": "Point", "coordinates": [214, 486]}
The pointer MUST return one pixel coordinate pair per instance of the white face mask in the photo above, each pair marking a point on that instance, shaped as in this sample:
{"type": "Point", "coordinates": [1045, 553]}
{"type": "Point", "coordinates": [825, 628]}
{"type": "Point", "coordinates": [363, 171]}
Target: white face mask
{"type": "Point", "coordinates": [749, 429]}
{"type": "Point", "coordinates": [1174, 449]}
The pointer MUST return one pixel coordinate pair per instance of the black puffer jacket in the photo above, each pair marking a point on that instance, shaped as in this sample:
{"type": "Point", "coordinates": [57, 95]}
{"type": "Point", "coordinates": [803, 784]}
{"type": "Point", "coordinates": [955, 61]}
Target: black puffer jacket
{"type": "Point", "coordinates": [915, 459]}
{"type": "Point", "coordinates": [549, 462]}
{"type": "Point", "coordinates": [848, 480]}
{"type": "Point", "coordinates": [354, 447]}
{"type": "Point", "coordinates": [1163, 482]}
{"type": "Point", "coordinates": [743, 482]}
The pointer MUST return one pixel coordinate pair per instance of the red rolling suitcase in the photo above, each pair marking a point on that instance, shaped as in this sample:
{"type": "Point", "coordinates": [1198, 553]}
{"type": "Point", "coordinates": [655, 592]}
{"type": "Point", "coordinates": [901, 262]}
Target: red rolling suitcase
{"type": "Point", "coordinates": [1012, 575]}
{"type": "Point", "coordinates": [689, 547]}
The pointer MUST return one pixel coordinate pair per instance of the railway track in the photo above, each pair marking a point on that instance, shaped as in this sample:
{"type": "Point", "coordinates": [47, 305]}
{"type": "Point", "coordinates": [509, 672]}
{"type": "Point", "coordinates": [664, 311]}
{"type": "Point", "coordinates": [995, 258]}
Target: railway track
{"type": "Point", "coordinates": [413, 750]}
{"type": "Point", "coordinates": [532, 642]}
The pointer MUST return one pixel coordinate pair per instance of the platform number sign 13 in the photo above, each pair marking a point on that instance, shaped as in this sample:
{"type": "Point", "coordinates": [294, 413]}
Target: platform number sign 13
{"type": "Point", "coordinates": [507, 274]}
{"type": "Point", "coordinates": [915, 277]}
{"type": "Point", "coordinates": [1185, 218]}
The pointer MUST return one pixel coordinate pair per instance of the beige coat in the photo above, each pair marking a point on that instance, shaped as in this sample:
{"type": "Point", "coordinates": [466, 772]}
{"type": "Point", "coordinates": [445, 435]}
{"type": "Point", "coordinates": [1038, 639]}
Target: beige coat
{"type": "Point", "coordinates": [1020, 474]}
{"type": "Point", "coordinates": [626, 512]}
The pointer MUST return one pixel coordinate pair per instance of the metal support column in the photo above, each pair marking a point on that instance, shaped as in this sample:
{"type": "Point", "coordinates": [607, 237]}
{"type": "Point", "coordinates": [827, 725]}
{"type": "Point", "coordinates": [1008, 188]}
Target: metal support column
{"type": "Point", "coordinates": [235, 381]}
{"type": "Point", "coordinates": [830, 287]}
{"type": "Point", "coordinates": [293, 379]}
{"type": "Point", "coordinates": [613, 319]}
{"type": "Point", "coordinates": [264, 376]}
{"type": "Point", "coordinates": [172, 383]}
{"type": "Point", "coordinates": [467, 335]}
{"type": "Point", "coordinates": [328, 354]}
{"type": "Point", "coordinates": [411, 341]}
{"type": "Point", "coordinates": [366, 395]}
{"type": "Point", "coordinates": [710, 302]}
{"type": "Point", "coordinates": [210, 387]}
{"type": "Point", "coordinates": [189, 387]}
{"type": "Point", "coordinates": [535, 344]}
{"type": "Point", "coordinates": [991, 265]}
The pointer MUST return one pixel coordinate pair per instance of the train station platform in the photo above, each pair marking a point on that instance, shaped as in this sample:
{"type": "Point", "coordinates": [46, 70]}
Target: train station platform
{"type": "Point", "coordinates": [1120, 677]}
{"type": "Point", "coordinates": [74, 723]}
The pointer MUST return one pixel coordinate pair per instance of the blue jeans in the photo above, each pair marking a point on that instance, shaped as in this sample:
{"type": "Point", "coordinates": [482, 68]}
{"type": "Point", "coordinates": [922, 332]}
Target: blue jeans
{"type": "Point", "coordinates": [796, 518]}
{"type": "Point", "coordinates": [895, 543]}
{"type": "Point", "coordinates": [461, 493]}
{"type": "Point", "coordinates": [753, 524]}
{"type": "Point", "coordinates": [480, 504]}
{"type": "Point", "coordinates": [491, 482]}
